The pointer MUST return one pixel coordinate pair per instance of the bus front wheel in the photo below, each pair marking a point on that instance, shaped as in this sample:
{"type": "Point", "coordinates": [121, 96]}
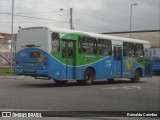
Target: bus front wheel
{"type": "Point", "coordinates": [89, 77]}
{"type": "Point", "coordinates": [137, 76]}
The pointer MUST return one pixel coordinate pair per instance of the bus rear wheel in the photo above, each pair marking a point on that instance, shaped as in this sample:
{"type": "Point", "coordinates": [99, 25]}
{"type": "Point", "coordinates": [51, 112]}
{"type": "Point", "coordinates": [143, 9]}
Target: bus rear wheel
{"type": "Point", "coordinates": [137, 76]}
{"type": "Point", "coordinates": [89, 77]}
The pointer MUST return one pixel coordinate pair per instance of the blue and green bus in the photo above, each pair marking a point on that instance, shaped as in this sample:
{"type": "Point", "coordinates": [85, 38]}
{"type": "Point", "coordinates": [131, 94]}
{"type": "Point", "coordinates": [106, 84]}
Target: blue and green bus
{"type": "Point", "coordinates": [155, 60]}
{"type": "Point", "coordinates": [64, 55]}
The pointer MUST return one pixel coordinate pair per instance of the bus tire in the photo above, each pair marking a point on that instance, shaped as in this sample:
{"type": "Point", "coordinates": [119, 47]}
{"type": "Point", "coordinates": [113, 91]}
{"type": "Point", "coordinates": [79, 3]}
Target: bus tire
{"type": "Point", "coordinates": [137, 76]}
{"type": "Point", "coordinates": [89, 77]}
{"type": "Point", "coordinates": [58, 82]}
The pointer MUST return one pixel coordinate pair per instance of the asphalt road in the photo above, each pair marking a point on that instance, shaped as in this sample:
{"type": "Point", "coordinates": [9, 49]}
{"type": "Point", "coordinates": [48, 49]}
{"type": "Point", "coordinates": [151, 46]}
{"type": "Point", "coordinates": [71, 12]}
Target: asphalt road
{"type": "Point", "coordinates": [43, 95]}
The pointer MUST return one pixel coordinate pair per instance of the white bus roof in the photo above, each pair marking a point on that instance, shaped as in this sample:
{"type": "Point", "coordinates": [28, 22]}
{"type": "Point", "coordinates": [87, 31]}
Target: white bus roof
{"type": "Point", "coordinates": [102, 36]}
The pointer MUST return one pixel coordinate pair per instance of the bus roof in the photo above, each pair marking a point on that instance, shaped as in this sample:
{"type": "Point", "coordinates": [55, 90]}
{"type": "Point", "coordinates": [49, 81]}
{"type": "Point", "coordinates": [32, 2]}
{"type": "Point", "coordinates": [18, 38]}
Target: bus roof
{"type": "Point", "coordinates": [100, 35]}
{"type": "Point", "coordinates": [96, 35]}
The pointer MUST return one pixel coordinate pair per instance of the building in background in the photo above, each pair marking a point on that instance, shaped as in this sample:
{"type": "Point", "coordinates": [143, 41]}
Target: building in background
{"type": "Point", "coordinates": [5, 48]}
{"type": "Point", "coordinates": [153, 36]}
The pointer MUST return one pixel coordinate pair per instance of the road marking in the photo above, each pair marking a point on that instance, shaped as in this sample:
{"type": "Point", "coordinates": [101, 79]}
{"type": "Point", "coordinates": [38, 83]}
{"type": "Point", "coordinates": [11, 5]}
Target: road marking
{"type": "Point", "coordinates": [114, 88]}
{"type": "Point", "coordinates": [132, 87]}
{"type": "Point", "coordinates": [125, 87]}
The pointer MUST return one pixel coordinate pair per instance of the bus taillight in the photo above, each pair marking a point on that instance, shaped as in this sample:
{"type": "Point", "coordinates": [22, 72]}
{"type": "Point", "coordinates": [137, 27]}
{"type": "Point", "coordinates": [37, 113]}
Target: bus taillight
{"type": "Point", "coordinates": [45, 61]}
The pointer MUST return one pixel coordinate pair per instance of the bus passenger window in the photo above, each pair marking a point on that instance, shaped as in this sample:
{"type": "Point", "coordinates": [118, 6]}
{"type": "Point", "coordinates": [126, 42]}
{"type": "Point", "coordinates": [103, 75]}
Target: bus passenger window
{"type": "Point", "coordinates": [87, 46]}
{"type": "Point", "coordinates": [128, 49]}
{"type": "Point", "coordinates": [139, 50]}
{"type": "Point", "coordinates": [104, 47]}
{"type": "Point", "coordinates": [80, 48]}
{"type": "Point", "coordinates": [55, 42]}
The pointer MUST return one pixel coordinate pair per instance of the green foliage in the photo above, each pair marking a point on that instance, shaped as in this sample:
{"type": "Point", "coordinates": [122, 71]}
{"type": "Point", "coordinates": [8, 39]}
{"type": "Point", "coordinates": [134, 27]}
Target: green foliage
{"type": "Point", "coordinates": [6, 72]}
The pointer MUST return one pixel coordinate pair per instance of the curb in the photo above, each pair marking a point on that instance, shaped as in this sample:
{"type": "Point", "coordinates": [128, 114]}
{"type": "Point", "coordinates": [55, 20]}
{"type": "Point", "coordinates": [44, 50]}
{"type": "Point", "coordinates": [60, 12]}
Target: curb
{"type": "Point", "coordinates": [11, 77]}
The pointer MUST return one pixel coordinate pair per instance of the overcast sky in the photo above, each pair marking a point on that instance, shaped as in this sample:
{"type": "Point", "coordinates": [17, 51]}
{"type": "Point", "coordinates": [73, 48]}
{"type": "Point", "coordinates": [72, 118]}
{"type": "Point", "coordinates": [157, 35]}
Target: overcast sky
{"type": "Point", "coordinates": [88, 15]}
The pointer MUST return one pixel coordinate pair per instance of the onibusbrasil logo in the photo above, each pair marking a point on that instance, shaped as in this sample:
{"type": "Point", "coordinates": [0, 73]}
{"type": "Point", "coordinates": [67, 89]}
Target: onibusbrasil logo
{"type": "Point", "coordinates": [21, 114]}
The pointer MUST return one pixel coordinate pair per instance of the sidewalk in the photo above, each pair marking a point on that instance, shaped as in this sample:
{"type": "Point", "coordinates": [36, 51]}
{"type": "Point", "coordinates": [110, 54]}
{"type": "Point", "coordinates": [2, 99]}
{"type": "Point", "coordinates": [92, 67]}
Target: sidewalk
{"type": "Point", "coordinates": [11, 77]}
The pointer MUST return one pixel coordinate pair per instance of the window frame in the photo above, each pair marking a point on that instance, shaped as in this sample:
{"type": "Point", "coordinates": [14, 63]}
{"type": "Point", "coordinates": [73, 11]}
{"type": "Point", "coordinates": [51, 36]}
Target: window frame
{"type": "Point", "coordinates": [139, 50]}
{"type": "Point", "coordinates": [106, 44]}
{"type": "Point", "coordinates": [90, 43]}
{"type": "Point", "coordinates": [129, 50]}
{"type": "Point", "coordinates": [52, 42]}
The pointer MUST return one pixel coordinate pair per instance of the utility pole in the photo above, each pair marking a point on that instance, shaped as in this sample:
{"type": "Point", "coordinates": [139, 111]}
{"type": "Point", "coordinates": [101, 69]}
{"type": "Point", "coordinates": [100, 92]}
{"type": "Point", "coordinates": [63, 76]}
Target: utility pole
{"type": "Point", "coordinates": [71, 22]}
{"type": "Point", "coordinates": [69, 16]}
{"type": "Point", "coordinates": [12, 36]}
{"type": "Point", "coordinates": [131, 19]}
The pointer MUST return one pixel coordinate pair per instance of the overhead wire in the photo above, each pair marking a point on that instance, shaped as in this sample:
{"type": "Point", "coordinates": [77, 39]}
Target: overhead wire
{"type": "Point", "coordinates": [34, 17]}
{"type": "Point", "coordinates": [35, 12]}
{"type": "Point", "coordinates": [28, 8]}
{"type": "Point", "coordinates": [33, 22]}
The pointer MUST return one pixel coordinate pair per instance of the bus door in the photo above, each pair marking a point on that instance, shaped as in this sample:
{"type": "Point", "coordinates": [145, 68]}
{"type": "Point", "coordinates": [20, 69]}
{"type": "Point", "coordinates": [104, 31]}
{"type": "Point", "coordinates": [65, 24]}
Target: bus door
{"type": "Point", "coordinates": [148, 64]}
{"type": "Point", "coordinates": [68, 55]}
{"type": "Point", "coordinates": [117, 61]}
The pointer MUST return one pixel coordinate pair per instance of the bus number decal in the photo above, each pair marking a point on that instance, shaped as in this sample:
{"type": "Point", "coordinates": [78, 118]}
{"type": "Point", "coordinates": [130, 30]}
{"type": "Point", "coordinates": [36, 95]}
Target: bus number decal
{"type": "Point", "coordinates": [23, 54]}
{"type": "Point", "coordinates": [108, 63]}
